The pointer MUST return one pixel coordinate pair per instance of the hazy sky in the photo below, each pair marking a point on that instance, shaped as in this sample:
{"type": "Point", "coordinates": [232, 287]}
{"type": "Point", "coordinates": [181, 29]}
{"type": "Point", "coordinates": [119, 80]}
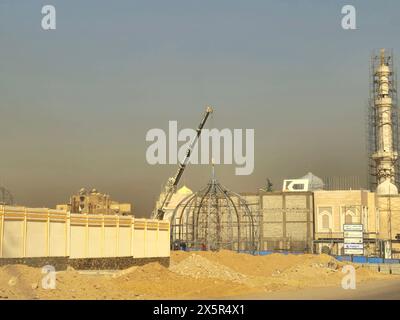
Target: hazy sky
{"type": "Point", "coordinates": [76, 102]}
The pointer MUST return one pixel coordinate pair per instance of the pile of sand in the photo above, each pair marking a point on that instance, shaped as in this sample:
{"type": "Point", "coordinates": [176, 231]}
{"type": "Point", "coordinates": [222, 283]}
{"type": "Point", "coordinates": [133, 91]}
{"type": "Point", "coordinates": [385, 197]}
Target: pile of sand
{"type": "Point", "coordinates": [190, 276]}
{"type": "Point", "coordinates": [199, 267]}
{"type": "Point", "coordinates": [19, 280]}
{"type": "Point", "coordinates": [262, 265]}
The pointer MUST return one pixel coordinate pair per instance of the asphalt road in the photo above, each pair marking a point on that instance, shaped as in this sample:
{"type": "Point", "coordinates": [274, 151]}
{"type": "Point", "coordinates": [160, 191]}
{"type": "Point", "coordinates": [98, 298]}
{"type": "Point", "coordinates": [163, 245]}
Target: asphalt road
{"type": "Point", "coordinates": [371, 290]}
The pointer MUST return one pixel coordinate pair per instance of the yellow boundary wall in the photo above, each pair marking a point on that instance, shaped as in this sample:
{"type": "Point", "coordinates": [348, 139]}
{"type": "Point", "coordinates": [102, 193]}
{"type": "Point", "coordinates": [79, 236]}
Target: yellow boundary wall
{"type": "Point", "coordinates": [42, 232]}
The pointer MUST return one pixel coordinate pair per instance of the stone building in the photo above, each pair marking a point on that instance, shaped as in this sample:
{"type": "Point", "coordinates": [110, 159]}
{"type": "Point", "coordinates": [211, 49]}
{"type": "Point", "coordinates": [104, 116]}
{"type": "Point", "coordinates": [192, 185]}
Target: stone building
{"type": "Point", "coordinates": [312, 221]}
{"type": "Point", "coordinates": [388, 227]}
{"type": "Point", "coordinates": [379, 215]}
{"type": "Point", "coordinates": [94, 202]}
{"type": "Point", "coordinates": [335, 208]}
{"type": "Point", "coordinates": [285, 220]}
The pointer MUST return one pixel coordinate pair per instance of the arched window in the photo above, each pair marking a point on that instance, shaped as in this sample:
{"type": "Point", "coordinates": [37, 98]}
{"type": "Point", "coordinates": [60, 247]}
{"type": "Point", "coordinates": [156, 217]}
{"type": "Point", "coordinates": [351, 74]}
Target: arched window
{"type": "Point", "coordinates": [349, 216]}
{"type": "Point", "coordinates": [325, 218]}
{"type": "Point", "coordinates": [325, 221]}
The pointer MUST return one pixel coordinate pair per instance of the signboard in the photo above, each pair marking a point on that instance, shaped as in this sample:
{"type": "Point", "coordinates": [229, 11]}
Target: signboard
{"type": "Point", "coordinates": [354, 251]}
{"type": "Point", "coordinates": [352, 227]}
{"type": "Point", "coordinates": [353, 239]}
{"type": "Point", "coordinates": [295, 185]}
{"type": "Point", "coordinates": [354, 246]}
{"type": "Point", "coordinates": [353, 234]}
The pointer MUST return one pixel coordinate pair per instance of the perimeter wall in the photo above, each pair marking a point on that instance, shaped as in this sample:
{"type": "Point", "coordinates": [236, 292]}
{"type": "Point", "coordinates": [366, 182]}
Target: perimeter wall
{"type": "Point", "coordinates": [42, 232]}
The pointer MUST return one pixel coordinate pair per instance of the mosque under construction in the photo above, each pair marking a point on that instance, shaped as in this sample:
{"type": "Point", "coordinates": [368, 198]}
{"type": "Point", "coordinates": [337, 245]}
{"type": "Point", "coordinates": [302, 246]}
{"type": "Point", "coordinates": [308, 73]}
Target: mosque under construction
{"type": "Point", "coordinates": [308, 214]}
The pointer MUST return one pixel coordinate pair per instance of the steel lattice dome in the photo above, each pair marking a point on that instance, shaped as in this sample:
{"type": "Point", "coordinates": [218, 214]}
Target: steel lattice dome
{"type": "Point", "coordinates": [214, 218]}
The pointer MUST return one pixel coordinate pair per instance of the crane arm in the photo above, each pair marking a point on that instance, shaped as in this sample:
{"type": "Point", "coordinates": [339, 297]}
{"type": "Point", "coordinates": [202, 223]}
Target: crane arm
{"type": "Point", "coordinates": [171, 187]}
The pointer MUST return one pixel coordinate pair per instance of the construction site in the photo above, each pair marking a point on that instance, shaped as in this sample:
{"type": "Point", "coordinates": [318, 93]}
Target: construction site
{"type": "Point", "coordinates": [308, 215]}
{"type": "Point", "coordinates": [216, 242]}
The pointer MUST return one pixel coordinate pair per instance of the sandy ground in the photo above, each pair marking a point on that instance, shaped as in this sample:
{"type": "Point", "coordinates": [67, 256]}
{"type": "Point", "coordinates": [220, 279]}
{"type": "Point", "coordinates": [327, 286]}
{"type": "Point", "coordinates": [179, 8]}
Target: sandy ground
{"type": "Point", "coordinates": [367, 290]}
{"type": "Point", "coordinates": [199, 275]}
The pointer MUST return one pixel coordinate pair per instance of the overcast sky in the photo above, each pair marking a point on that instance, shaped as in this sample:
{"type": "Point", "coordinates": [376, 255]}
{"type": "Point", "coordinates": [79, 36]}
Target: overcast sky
{"type": "Point", "coordinates": [76, 102]}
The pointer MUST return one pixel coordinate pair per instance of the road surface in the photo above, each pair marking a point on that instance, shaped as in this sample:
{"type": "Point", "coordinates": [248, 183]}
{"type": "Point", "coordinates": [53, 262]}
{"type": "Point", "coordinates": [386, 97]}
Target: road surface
{"type": "Point", "coordinates": [370, 290]}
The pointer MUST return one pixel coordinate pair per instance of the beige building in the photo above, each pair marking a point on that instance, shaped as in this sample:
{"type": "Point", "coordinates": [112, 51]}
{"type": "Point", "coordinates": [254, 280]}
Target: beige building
{"type": "Point", "coordinates": [379, 215]}
{"type": "Point", "coordinates": [388, 227]}
{"type": "Point", "coordinates": [285, 219]}
{"type": "Point", "coordinates": [94, 202]}
{"type": "Point", "coordinates": [312, 221]}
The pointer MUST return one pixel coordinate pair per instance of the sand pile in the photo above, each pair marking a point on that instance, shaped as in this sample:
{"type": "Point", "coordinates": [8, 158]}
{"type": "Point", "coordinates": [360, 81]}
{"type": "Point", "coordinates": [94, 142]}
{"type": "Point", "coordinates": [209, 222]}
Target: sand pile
{"type": "Point", "coordinates": [283, 272]}
{"type": "Point", "coordinates": [190, 276]}
{"type": "Point", "coordinates": [19, 280]}
{"type": "Point", "coordinates": [198, 267]}
{"type": "Point", "coordinates": [262, 265]}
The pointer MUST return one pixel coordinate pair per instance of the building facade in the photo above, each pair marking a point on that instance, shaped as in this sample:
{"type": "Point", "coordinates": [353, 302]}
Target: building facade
{"type": "Point", "coordinates": [313, 221]}
{"type": "Point", "coordinates": [94, 202]}
{"type": "Point", "coordinates": [285, 220]}
{"type": "Point", "coordinates": [378, 214]}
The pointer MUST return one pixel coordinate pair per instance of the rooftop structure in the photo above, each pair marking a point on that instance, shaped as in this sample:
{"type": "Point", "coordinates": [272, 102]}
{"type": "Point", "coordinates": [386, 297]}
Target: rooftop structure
{"type": "Point", "coordinates": [94, 202]}
{"type": "Point", "coordinates": [314, 182]}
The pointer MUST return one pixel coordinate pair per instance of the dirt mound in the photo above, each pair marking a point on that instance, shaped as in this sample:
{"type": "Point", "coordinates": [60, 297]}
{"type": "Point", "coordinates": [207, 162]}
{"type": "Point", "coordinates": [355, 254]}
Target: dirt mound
{"type": "Point", "coordinates": [190, 276]}
{"type": "Point", "coordinates": [198, 267]}
{"type": "Point", "coordinates": [263, 266]}
{"type": "Point", "coordinates": [19, 281]}
{"type": "Point", "coordinates": [282, 272]}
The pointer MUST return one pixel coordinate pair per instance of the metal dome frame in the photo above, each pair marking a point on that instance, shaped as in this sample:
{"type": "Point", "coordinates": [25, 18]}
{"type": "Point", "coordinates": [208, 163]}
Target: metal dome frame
{"type": "Point", "coordinates": [214, 218]}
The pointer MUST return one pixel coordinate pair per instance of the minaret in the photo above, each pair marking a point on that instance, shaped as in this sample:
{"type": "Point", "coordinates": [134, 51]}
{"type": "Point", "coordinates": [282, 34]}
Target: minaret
{"type": "Point", "coordinates": [385, 155]}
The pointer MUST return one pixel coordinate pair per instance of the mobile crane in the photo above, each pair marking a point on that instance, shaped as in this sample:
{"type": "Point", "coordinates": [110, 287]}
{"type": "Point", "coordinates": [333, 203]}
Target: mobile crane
{"type": "Point", "coordinates": [173, 182]}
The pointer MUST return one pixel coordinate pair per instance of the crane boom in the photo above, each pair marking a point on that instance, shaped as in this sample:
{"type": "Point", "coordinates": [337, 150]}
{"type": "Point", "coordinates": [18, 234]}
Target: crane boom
{"type": "Point", "coordinates": [171, 186]}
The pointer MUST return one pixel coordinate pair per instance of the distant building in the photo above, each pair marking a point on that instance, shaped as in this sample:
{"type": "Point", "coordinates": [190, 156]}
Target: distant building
{"type": "Point", "coordinates": [314, 183]}
{"type": "Point", "coordinates": [176, 198]}
{"type": "Point", "coordinates": [309, 182]}
{"type": "Point", "coordinates": [94, 202]}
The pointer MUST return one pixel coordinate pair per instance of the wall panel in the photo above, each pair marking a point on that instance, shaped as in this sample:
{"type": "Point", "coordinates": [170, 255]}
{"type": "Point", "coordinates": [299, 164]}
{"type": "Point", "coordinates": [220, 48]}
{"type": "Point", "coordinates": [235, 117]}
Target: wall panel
{"type": "Point", "coordinates": [41, 232]}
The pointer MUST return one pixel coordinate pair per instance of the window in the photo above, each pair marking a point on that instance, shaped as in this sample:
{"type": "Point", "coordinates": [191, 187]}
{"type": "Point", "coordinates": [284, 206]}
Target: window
{"type": "Point", "coordinates": [325, 221]}
{"type": "Point", "coordinates": [298, 186]}
{"type": "Point", "coordinates": [350, 215]}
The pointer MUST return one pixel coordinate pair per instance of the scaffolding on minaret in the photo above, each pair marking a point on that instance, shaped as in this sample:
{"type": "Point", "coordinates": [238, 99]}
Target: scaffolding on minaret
{"type": "Point", "coordinates": [383, 124]}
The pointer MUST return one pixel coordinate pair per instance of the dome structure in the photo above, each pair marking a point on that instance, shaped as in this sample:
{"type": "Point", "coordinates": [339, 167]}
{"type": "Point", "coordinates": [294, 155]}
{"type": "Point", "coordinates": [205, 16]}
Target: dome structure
{"type": "Point", "coordinates": [386, 188]}
{"type": "Point", "coordinates": [214, 218]}
{"type": "Point", "coordinates": [184, 191]}
{"type": "Point", "coordinates": [314, 182]}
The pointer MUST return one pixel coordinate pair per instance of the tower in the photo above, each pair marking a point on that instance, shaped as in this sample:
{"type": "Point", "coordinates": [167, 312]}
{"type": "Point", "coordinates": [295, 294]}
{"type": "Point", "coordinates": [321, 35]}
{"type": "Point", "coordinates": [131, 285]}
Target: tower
{"type": "Point", "coordinates": [383, 125]}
